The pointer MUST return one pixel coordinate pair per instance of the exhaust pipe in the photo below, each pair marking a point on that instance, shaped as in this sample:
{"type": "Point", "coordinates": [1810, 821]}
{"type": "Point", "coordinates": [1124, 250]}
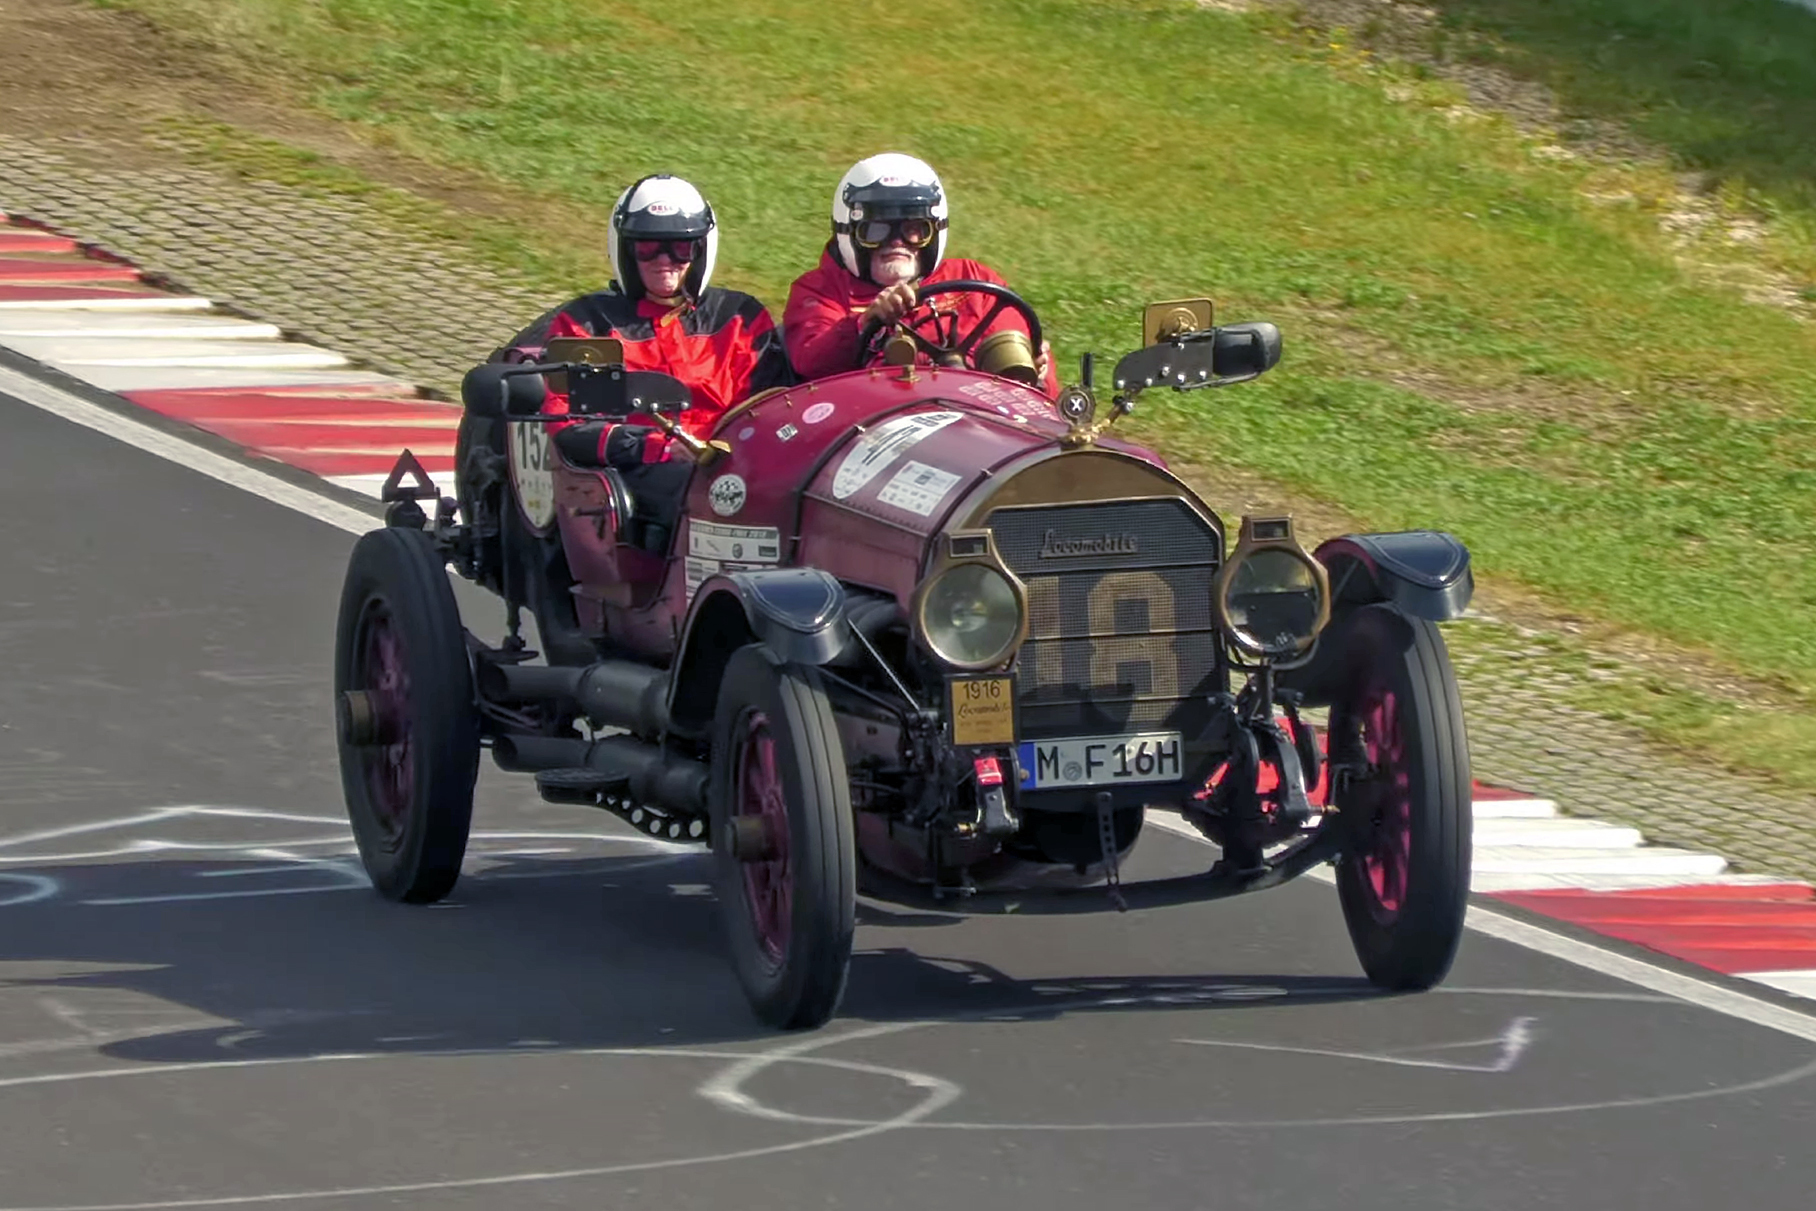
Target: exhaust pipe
{"type": "Point", "coordinates": [650, 774]}
{"type": "Point", "coordinates": [611, 693]}
{"type": "Point", "coordinates": [522, 754]}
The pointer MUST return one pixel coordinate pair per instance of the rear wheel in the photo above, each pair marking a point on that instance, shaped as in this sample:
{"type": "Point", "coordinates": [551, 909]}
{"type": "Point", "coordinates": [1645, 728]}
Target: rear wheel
{"type": "Point", "coordinates": [783, 848]}
{"type": "Point", "coordinates": [407, 725]}
{"type": "Point", "coordinates": [1403, 880]}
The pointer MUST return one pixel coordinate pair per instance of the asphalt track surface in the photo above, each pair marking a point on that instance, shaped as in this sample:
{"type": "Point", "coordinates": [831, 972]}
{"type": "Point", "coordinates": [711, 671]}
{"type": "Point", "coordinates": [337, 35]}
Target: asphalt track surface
{"type": "Point", "coordinates": [202, 1005]}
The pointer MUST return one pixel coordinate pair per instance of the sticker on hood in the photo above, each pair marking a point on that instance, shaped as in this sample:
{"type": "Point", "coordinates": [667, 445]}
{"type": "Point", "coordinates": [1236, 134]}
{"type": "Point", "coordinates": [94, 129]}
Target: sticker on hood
{"type": "Point", "coordinates": [726, 495]}
{"type": "Point", "coordinates": [741, 544]}
{"type": "Point", "coordinates": [917, 488]}
{"type": "Point", "coordinates": [877, 449]}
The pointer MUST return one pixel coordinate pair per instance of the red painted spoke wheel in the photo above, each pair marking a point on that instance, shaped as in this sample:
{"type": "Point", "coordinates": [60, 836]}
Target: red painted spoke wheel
{"type": "Point", "coordinates": [409, 730]}
{"type": "Point", "coordinates": [1388, 851]}
{"type": "Point", "coordinates": [390, 773]}
{"type": "Point", "coordinates": [759, 795]}
{"type": "Point", "coordinates": [1403, 879]}
{"type": "Point", "coordinates": [784, 853]}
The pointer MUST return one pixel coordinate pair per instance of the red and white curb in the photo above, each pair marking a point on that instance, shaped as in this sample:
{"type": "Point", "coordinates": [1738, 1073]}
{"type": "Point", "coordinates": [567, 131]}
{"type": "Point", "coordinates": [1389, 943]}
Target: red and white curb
{"type": "Point", "coordinates": [95, 318]}
{"type": "Point", "coordinates": [1679, 902]}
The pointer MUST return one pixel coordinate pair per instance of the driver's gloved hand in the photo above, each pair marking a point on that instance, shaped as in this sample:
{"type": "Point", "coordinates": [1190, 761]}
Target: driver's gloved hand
{"type": "Point", "coordinates": [624, 446]}
{"type": "Point", "coordinates": [597, 444]}
{"type": "Point", "coordinates": [580, 443]}
{"type": "Point", "coordinates": [890, 305]}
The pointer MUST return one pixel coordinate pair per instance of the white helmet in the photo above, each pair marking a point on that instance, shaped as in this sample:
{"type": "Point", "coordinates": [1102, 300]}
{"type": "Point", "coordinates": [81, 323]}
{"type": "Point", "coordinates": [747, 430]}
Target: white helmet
{"type": "Point", "coordinates": [662, 208]}
{"type": "Point", "coordinates": [887, 188]}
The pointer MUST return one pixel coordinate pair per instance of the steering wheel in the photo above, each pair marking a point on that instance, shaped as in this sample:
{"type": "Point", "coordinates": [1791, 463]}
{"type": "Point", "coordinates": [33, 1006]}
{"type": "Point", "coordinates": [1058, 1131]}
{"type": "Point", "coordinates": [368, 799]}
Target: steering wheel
{"type": "Point", "coordinates": [955, 350]}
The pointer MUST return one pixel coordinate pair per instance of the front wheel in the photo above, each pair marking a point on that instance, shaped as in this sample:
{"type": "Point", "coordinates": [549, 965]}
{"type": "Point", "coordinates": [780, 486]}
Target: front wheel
{"type": "Point", "coordinates": [1403, 879]}
{"type": "Point", "coordinates": [408, 728]}
{"type": "Point", "coordinates": [784, 856]}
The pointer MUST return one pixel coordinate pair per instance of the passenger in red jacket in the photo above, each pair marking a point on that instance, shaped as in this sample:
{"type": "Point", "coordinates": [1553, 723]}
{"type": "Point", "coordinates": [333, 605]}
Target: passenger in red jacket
{"type": "Point", "coordinates": [889, 216]}
{"type": "Point", "coordinates": [721, 343]}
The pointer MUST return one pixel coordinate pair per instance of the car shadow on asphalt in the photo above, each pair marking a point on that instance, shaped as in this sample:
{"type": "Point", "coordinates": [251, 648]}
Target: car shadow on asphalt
{"type": "Point", "coordinates": [153, 961]}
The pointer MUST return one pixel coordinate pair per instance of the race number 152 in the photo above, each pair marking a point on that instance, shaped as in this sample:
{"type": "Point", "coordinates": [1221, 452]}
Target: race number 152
{"type": "Point", "coordinates": [531, 449]}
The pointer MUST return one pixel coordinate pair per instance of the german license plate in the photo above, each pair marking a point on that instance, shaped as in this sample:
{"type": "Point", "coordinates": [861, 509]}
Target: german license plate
{"type": "Point", "coordinates": [1100, 760]}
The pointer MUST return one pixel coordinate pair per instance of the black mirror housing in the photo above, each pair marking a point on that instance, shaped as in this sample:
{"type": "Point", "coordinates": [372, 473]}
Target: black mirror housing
{"type": "Point", "coordinates": [495, 390]}
{"type": "Point", "coordinates": [482, 391]}
{"type": "Point", "coordinates": [1177, 364]}
{"type": "Point", "coordinates": [525, 394]}
{"type": "Point", "coordinates": [1245, 351]}
{"type": "Point", "coordinates": [1233, 353]}
{"type": "Point", "coordinates": [654, 391]}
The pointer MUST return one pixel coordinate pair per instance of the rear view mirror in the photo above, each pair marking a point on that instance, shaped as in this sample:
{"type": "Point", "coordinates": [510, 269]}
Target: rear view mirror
{"type": "Point", "coordinates": [589, 350]}
{"type": "Point", "coordinates": [1234, 353]}
{"type": "Point", "coordinates": [494, 390]}
{"type": "Point", "coordinates": [1171, 320]}
{"type": "Point", "coordinates": [1177, 364]}
{"type": "Point", "coordinates": [597, 390]}
{"type": "Point", "coordinates": [654, 391]}
{"type": "Point", "coordinates": [593, 350]}
{"type": "Point", "coordinates": [613, 392]}
{"type": "Point", "coordinates": [1245, 351]}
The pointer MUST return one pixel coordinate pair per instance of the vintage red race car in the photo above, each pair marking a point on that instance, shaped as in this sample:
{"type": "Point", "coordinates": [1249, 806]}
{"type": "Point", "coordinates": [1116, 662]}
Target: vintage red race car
{"type": "Point", "coordinates": [918, 631]}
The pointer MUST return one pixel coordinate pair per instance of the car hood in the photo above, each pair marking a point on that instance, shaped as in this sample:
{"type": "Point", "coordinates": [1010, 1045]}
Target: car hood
{"type": "Point", "coordinates": [855, 474]}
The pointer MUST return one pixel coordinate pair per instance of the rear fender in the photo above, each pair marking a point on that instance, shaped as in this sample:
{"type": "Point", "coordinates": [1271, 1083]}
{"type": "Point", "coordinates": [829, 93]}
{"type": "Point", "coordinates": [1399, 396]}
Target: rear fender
{"type": "Point", "coordinates": [1425, 573]}
{"type": "Point", "coordinates": [797, 613]}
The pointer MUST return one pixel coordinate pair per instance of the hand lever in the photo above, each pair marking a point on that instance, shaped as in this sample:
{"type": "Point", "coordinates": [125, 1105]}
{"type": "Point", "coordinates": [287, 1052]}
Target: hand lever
{"type": "Point", "coordinates": [702, 452]}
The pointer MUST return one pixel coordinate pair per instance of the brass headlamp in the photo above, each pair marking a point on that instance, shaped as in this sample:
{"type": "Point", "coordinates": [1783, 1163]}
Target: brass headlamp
{"type": "Point", "coordinates": [971, 611]}
{"type": "Point", "coordinates": [1272, 598]}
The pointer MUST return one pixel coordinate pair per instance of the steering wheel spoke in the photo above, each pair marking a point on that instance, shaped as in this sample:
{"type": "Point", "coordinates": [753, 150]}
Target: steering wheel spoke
{"type": "Point", "coordinates": [932, 348]}
{"type": "Point", "coordinates": [942, 347]}
{"type": "Point", "coordinates": [982, 326]}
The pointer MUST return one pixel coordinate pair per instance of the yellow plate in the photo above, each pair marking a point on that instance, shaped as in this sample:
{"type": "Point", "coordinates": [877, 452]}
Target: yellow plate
{"type": "Point", "coordinates": [983, 710]}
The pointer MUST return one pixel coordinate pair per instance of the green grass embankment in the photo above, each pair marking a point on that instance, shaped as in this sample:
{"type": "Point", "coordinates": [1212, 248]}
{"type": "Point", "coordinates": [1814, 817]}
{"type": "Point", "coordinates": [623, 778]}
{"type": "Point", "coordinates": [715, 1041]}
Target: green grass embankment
{"type": "Point", "coordinates": [1483, 335]}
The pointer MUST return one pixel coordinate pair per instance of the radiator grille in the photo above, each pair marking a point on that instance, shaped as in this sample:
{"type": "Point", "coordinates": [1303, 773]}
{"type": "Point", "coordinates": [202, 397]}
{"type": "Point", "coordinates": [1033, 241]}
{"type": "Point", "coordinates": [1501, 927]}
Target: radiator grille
{"type": "Point", "coordinates": [1120, 630]}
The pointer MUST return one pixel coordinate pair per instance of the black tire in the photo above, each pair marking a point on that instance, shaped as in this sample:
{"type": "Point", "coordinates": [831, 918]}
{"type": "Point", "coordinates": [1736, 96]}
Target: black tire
{"type": "Point", "coordinates": [798, 983]}
{"type": "Point", "coordinates": [1418, 814]}
{"type": "Point", "coordinates": [410, 802]}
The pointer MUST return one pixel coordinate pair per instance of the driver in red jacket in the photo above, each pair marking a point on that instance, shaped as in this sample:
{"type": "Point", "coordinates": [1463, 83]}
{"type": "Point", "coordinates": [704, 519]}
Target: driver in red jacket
{"type": "Point", "coordinates": [889, 237]}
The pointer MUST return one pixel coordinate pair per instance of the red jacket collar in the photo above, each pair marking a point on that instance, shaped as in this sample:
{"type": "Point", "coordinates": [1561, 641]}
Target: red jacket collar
{"type": "Point", "coordinates": [857, 290]}
{"type": "Point", "coordinates": [650, 309]}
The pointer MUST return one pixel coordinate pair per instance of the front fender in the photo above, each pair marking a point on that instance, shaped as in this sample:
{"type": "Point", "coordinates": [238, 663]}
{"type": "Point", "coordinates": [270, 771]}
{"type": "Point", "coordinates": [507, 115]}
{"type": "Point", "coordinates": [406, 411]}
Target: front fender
{"type": "Point", "coordinates": [797, 613]}
{"type": "Point", "coordinates": [1424, 572]}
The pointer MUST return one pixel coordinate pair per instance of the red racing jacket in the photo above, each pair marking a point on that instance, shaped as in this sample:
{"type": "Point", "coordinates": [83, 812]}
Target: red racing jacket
{"type": "Point", "coordinates": [824, 317]}
{"type": "Point", "coordinates": [725, 347]}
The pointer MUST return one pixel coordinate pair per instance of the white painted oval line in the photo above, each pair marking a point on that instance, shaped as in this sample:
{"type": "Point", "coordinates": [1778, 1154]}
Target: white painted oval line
{"type": "Point", "coordinates": [940, 1094]}
{"type": "Point", "coordinates": [36, 888]}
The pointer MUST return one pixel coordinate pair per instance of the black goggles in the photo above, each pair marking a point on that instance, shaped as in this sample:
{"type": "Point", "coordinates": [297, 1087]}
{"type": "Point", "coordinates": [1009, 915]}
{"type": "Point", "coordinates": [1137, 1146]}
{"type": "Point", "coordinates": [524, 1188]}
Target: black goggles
{"type": "Point", "coordinates": [874, 233]}
{"type": "Point", "coordinates": [681, 252]}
